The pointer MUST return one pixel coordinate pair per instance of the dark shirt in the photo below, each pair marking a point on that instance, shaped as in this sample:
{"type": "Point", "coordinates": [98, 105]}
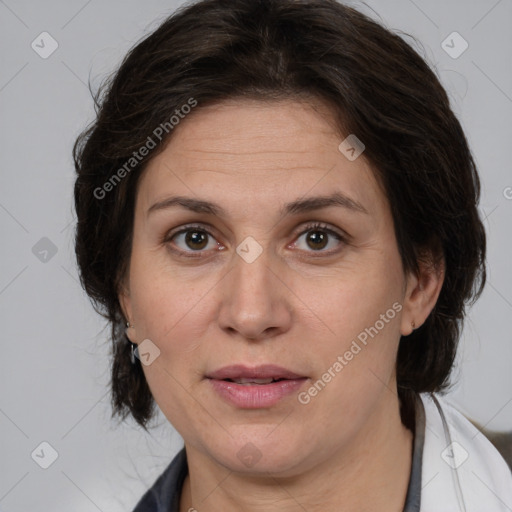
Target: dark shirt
{"type": "Point", "coordinates": [164, 495]}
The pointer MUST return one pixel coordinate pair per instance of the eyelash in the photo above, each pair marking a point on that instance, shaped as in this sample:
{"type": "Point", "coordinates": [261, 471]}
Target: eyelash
{"type": "Point", "coordinates": [316, 226]}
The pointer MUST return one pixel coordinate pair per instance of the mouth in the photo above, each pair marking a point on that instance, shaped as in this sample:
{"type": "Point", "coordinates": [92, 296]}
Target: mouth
{"type": "Point", "coordinates": [265, 373]}
{"type": "Point", "coordinates": [248, 381]}
{"type": "Point", "coordinates": [253, 388]}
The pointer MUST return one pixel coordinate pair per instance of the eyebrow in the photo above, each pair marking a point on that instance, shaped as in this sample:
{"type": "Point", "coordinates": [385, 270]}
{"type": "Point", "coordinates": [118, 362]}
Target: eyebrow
{"type": "Point", "coordinates": [299, 206]}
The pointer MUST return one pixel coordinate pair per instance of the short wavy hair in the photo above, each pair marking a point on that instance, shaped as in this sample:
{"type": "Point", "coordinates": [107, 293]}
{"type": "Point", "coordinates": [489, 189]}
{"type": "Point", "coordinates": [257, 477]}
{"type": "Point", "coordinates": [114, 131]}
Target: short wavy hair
{"type": "Point", "coordinates": [377, 86]}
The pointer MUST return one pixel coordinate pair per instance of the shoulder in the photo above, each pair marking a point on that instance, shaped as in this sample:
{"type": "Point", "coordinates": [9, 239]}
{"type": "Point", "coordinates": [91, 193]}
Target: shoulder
{"type": "Point", "coordinates": [461, 470]}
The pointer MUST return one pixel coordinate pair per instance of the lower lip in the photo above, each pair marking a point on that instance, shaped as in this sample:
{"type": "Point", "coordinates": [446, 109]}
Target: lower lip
{"type": "Point", "coordinates": [256, 396]}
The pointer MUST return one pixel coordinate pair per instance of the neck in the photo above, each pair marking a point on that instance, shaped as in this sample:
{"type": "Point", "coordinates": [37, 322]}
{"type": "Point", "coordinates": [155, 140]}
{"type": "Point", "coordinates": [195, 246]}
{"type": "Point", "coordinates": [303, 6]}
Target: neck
{"type": "Point", "coordinates": [371, 473]}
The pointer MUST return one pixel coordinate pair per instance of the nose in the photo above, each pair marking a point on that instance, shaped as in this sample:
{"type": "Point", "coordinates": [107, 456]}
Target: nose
{"type": "Point", "coordinates": [256, 302]}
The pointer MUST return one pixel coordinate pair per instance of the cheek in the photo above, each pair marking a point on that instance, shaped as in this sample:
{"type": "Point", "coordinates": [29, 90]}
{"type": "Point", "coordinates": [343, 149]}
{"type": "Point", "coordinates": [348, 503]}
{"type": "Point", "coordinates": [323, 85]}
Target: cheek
{"type": "Point", "coordinates": [356, 368]}
{"type": "Point", "coordinates": [360, 335]}
{"type": "Point", "coordinates": [355, 300]}
{"type": "Point", "coordinates": [163, 297]}
{"type": "Point", "coordinates": [171, 392]}
{"type": "Point", "coordinates": [170, 316]}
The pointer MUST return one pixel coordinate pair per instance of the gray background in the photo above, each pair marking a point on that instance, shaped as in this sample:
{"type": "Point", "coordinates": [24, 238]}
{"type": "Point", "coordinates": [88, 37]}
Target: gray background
{"type": "Point", "coordinates": [54, 365]}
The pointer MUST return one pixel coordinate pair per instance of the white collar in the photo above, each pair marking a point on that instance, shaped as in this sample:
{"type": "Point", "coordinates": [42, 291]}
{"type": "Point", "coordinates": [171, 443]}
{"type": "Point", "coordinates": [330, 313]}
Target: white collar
{"type": "Point", "coordinates": [461, 471]}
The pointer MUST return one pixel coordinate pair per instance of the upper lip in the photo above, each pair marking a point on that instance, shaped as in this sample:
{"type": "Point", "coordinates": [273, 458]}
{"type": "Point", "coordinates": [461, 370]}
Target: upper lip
{"type": "Point", "coordinates": [266, 371]}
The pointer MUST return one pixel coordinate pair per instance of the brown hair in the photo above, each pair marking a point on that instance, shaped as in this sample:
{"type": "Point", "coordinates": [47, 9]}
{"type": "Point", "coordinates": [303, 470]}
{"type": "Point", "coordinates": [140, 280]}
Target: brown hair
{"type": "Point", "coordinates": [379, 88]}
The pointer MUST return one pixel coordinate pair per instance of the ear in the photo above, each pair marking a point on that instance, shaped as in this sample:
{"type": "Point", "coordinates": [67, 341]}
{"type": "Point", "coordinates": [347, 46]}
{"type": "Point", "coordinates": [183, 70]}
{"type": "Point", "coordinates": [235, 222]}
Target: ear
{"type": "Point", "coordinates": [422, 291]}
{"type": "Point", "coordinates": [126, 307]}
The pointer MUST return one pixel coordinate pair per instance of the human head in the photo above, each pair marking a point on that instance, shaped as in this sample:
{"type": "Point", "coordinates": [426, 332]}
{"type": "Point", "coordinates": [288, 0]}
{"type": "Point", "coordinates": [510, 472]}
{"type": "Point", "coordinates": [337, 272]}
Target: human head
{"type": "Point", "coordinates": [377, 87]}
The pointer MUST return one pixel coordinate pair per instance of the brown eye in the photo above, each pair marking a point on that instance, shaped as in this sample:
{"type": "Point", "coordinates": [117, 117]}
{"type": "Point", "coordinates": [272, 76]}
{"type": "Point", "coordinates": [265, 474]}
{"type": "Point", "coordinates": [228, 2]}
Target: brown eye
{"type": "Point", "coordinates": [191, 240]}
{"type": "Point", "coordinates": [196, 240]}
{"type": "Point", "coordinates": [318, 237]}
{"type": "Point", "coordinates": [317, 240]}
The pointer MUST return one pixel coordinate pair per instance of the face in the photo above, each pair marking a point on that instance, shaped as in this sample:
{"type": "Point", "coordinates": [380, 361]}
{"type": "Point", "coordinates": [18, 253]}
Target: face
{"type": "Point", "coordinates": [266, 281]}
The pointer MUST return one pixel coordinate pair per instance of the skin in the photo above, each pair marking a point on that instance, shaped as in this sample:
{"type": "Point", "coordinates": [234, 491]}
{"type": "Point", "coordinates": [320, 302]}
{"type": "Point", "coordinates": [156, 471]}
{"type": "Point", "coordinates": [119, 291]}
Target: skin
{"type": "Point", "coordinates": [300, 305]}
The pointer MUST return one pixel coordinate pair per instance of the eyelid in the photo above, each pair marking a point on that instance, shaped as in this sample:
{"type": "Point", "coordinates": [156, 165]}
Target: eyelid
{"type": "Point", "coordinates": [339, 234]}
{"type": "Point", "coordinates": [203, 227]}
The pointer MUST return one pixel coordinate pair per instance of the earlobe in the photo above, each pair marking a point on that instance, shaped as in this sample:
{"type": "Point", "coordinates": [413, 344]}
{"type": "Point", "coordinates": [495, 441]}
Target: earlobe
{"type": "Point", "coordinates": [408, 323]}
{"type": "Point", "coordinates": [130, 332]}
{"type": "Point", "coordinates": [422, 292]}
{"type": "Point", "coordinates": [125, 304]}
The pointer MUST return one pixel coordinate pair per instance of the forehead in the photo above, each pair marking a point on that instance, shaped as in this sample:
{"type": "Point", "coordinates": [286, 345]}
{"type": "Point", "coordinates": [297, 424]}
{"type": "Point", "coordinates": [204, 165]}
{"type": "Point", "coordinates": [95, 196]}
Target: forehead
{"type": "Point", "coordinates": [270, 151]}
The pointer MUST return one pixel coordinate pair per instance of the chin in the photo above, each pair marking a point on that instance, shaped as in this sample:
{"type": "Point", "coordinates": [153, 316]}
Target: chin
{"type": "Point", "coordinates": [260, 456]}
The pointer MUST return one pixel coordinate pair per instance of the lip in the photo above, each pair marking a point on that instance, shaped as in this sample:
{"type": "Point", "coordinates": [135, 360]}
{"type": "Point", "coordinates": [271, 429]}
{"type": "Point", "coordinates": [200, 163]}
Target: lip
{"type": "Point", "coordinates": [254, 396]}
{"type": "Point", "coordinates": [265, 371]}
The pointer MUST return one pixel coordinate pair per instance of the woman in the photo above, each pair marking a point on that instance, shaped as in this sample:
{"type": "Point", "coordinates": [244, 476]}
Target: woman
{"type": "Point", "coordinates": [278, 202]}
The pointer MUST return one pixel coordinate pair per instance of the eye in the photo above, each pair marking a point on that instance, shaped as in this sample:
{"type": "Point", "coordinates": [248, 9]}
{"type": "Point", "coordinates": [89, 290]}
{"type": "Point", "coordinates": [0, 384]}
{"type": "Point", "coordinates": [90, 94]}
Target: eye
{"type": "Point", "coordinates": [318, 237]}
{"type": "Point", "coordinates": [192, 239]}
